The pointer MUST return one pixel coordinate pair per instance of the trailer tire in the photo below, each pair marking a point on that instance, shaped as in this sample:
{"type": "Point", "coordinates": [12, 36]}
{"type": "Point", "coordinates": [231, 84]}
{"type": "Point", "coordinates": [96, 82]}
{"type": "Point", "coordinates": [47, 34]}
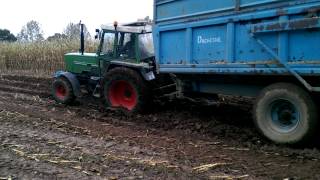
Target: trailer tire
{"type": "Point", "coordinates": [125, 89]}
{"type": "Point", "coordinates": [286, 114]}
{"type": "Point", "coordinates": [62, 91]}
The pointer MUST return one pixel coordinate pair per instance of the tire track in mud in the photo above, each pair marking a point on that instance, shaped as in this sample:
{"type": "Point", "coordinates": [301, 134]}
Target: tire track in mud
{"type": "Point", "coordinates": [14, 101]}
{"type": "Point", "coordinates": [185, 144]}
{"type": "Point", "coordinates": [162, 166]}
{"type": "Point", "coordinates": [11, 89]}
{"type": "Point", "coordinates": [25, 85]}
{"type": "Point", "coordinates": [41, 80]}
{"type": "Point", "coordinates": [57, 144]}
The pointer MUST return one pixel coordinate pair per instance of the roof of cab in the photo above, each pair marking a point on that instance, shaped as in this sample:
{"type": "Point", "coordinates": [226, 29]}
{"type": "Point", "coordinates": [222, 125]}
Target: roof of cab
{"type": "Point", "coordinates": [139, 27]}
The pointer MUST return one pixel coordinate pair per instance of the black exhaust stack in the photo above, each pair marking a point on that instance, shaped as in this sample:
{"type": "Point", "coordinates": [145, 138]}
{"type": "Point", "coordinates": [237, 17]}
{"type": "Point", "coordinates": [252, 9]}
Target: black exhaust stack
{"type": "Point", "coordinates": [81, 38]}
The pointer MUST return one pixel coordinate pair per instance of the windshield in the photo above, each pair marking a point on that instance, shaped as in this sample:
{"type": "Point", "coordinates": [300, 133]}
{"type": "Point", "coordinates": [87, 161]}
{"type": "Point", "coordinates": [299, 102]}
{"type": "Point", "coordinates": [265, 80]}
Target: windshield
{"type": "Point", "coordinates": [126, 45]}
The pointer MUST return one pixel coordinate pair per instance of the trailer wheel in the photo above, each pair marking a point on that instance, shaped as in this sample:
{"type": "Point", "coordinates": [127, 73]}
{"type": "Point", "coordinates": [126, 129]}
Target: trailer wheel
{"type": "Point", "coordinates": [125, 89]}
{"type": "Point", "coordinates": [62, 91]}
{"type": "Point", "coordinates": [286, 114]}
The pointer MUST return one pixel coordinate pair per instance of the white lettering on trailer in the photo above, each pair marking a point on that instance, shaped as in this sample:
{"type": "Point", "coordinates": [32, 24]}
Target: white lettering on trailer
{"type": "Point", "coordinates": [210, 40]}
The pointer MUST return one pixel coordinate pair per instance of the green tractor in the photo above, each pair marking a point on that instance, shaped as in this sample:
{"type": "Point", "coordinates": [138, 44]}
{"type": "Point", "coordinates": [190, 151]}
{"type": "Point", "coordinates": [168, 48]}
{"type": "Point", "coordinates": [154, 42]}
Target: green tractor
{"type": "Point", "coordinates": [119, 72]}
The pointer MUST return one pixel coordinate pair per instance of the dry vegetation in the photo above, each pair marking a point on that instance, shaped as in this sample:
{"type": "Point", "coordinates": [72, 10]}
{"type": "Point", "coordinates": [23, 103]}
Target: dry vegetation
{"type": "Point", "coordinates": [39, 58]}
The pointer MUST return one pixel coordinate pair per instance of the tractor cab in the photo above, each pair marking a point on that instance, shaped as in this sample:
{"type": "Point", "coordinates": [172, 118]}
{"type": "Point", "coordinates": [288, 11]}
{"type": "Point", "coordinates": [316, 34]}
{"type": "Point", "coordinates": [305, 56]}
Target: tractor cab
{"type": "Point", "coordinates": [130, 43]}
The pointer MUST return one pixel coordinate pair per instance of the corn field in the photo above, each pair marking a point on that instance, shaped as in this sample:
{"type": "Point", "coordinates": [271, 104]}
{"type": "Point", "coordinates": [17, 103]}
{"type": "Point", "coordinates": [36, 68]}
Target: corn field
{"type": "Point", "coordinates": [38, 58]}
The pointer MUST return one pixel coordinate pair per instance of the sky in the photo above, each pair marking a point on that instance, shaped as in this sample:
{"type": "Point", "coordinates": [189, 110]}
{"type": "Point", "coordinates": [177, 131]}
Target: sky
{"type": "Point", "coordinates": [54, 15]}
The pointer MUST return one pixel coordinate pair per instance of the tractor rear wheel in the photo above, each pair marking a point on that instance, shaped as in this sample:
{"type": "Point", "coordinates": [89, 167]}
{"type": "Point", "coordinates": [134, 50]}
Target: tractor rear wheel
{"type": "Point", "coordinates": [125, 89]}
{"type": "Point", "coordinates": [62, 91]}
{"type": "Point", "coordinates": [286, 114]}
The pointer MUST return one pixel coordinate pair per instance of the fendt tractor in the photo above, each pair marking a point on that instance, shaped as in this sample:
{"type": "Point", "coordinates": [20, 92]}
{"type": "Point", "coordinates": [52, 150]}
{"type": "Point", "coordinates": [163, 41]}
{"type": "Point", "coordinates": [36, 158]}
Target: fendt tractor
{"type": "Point", "coordinates": [266, 49]}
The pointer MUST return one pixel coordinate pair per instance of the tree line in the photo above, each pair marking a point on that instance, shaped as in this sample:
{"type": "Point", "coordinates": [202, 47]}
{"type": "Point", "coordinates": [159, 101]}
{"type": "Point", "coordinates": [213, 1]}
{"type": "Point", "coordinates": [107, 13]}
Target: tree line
{"type": "Point", "coordinates": [32, 32]}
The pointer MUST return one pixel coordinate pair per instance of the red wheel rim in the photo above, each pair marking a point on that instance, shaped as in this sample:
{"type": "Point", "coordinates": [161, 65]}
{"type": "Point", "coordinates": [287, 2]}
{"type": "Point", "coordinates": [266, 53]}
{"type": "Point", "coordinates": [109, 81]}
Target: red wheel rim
{"type": "Point", "coordinates": [61, 92]}
{"type": "Point", "coordinates": [122, 94]}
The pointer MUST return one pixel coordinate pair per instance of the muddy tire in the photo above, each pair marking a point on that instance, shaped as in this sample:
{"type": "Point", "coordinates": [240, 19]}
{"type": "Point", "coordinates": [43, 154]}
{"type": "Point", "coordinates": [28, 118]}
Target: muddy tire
{"type": "Point", "coordinates": [286, 114]}
{"type": "Point", "coordinates": [62, 91]}
{"type": "Point", "coordinates": [126, 90]}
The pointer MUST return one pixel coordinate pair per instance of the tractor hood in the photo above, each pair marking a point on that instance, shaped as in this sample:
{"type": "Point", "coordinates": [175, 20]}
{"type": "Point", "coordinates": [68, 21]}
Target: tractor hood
{"type": "Point", "coordinates": [79, 63]}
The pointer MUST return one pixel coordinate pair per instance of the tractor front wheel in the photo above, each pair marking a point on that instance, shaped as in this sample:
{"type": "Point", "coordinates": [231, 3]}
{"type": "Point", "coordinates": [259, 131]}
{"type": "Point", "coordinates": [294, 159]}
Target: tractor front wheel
{"type": "Point", "coordinates": [62, 91]}
{"type": "Point", "coordinates": [125, 89]}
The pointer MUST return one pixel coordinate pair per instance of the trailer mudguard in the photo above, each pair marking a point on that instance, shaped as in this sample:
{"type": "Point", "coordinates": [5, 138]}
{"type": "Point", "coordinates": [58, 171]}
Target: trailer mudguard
{"type": "Point", "coordinates": [72, 79]}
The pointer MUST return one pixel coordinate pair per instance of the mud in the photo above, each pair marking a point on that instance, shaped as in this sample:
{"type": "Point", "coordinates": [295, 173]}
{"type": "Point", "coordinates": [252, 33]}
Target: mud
{"type": "Point", "coordinates": [40, 139]}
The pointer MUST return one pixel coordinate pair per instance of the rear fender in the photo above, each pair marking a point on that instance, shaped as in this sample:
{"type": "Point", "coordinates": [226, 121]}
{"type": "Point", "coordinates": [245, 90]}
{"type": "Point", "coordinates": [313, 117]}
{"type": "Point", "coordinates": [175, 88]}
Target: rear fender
{"type": "Point", "coordinates": [72, 79]}
{"type": "Point", "coordinates": [143, 68]}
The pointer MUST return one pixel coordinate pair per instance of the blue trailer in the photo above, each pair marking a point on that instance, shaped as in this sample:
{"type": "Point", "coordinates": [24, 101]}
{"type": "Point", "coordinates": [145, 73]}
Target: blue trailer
{"type": "Point", "coordinates": [247, 37]}
{"type": "Point", "coordinates": [267, 49]}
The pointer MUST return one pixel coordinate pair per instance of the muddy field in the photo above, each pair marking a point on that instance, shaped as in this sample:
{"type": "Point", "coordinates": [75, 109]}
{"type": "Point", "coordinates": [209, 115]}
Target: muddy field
{"type": "Point", "coordinates": [178, 140]}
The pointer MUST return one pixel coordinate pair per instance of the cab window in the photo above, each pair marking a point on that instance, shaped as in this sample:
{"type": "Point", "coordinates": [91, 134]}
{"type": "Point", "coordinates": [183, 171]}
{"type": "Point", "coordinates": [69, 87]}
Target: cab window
{"type": "Point", "coordinates": [127, 45]}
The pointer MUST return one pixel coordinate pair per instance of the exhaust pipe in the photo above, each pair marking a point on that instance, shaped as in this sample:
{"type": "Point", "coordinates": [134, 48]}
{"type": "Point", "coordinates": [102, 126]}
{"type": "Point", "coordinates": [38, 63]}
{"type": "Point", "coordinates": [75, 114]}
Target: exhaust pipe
{"type": "Point", "coordinates": [81, 38]}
